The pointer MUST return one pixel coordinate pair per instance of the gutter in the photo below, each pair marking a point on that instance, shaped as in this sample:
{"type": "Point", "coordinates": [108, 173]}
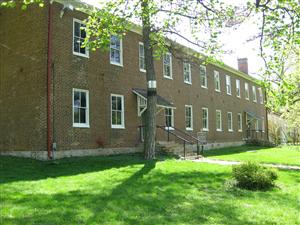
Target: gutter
{"type": "Point", "coordinates": [49, 84]}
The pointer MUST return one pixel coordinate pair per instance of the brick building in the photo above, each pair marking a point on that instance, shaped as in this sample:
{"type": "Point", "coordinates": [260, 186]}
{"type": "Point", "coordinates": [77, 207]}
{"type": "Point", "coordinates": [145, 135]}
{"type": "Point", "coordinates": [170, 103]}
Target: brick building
{"type": "Point", "coordinates": [56, 94]}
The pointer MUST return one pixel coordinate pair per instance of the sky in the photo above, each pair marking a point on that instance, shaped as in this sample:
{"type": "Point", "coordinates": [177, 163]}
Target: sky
{"type": "Point", "coordinates": [235, 41]}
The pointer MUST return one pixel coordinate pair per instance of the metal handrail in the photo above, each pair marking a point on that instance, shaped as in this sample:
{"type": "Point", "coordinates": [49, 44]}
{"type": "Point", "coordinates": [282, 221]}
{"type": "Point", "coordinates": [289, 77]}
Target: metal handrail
{"type": "Point", "coordinates": [174, 134]}
{"type": "Point", "coordinates": [183, 132]}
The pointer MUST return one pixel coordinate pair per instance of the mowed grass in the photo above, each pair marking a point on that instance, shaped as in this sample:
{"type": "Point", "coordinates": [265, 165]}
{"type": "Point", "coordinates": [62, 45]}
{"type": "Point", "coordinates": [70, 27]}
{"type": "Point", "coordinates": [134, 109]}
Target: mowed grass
{"type": "Point", "coordinates": [287, 155]}
{"type": "Point", "coordinates": [128, 190]}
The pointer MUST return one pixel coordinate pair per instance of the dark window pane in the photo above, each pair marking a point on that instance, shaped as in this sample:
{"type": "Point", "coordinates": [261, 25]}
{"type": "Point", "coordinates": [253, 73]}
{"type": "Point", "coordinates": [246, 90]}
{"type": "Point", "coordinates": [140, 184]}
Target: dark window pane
{"type": "Point", "coordinates": [76, 99]}
{"type": "Point", "coordinates": [83, 99]}
{"type": "Point", "coordinates": [82, 115]}
{"type": "Point", "coordinates": [76, 44]}
{"type": "Point", "coordinates": [76, 115]}
{"type": "Point", "coordinates": [114, 117]}
{"type": "Point", "coordinates": [77, 29]}
{"type": "Point", "coordinates": [119, 118]}
{"type": "Point", "coordinates": [119, 104]}
{"type": "Point", "coordinates": [113, 103]}
{"type": "Point", "coordinates": [83, 33]}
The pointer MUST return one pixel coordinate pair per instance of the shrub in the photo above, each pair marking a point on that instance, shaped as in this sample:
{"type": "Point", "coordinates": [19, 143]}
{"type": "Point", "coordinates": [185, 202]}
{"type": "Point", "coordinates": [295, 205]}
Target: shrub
{"type": "Point", "coordinates": [253, 176]}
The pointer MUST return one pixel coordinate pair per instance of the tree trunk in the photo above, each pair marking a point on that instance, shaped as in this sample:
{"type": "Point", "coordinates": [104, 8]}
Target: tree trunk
{"type": "Point", "coordinates": [150, 113]}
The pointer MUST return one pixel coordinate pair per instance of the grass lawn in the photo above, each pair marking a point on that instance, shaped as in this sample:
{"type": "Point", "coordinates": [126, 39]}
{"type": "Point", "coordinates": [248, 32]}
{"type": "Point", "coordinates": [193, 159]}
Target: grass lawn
{"type": "Point", "coordinates": [288, 155]}
{"type": "Point", "coordinates": [128, 190]}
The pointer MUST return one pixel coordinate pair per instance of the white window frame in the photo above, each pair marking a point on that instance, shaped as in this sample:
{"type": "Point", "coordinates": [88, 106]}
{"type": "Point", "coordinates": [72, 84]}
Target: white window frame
{"type": "Point", "coordinates": [238, 88]}
{"type": "Point", "coordinates": [189, 73]}
{"type": "Point", "coordinates": [261, 97]}
{"type": "Point", "coordinates": [87, 123]}
{"type": "Point", "coordinates": [86, 55]}
{"type": "Point", "coordinates": [256, 125]}
{"type": "Point", "coordinates": [142, 57]}
{"type": "Point", "coordinates": [205, 76]}
{"type": "Point", "coordinates": [228, 85]}
{"type": "Point", "coordinates": [168, 54]}
{"type": "Point", "coordinates": [219, 126]}
{"type": "Point", "coordinates": [240, 122]}
{"type": "Point", "coordinates": [263, 124]}
{"type": "Point", "coordinates": [121, 52]}
{"type": "Point", "coordinates": [247, 93]}
{"type": "Point", "coordinates": [191, 117]}
{"type": "Point", "coordinates": [217, 81]}
{"type": "Point", "coordinates": [172, 119]}
{"type": "Point", "coordinates": [254, 94]}
{"type": "Point", "coordinates": [207, 118]}
{"type": "Point", "coordinates": [122, 125]}
{"type": "Point", "coordinates": [230, 129]}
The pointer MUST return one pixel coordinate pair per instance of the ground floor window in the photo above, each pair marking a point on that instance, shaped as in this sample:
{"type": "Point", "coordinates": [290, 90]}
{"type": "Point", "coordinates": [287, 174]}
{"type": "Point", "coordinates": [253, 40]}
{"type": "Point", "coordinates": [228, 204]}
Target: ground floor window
{"type": "Point", "coordinates": [169, 114]}
{"type": "Point", "coordinates": [229, 119]}
{"type": "Point", "coordinates": [117, 111]}
{"type": "Point", "coordinates": [240, 126]}
{"type": "Point", "coordinates": [80, 108]}
{"type": "Point", "coordinates": [189, 117]}
{"type": "Point", "coordinates": [218, 120]}
{"type": "Point", "coordinates": [205, 119]}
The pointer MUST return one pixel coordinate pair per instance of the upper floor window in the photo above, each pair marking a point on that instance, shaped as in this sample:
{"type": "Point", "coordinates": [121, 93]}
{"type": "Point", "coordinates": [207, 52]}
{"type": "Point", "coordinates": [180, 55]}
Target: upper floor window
{"type": "Point", "coordinates": [263, 124]}
{"type": "Point", "coordinates": [229, 121]}
{"type": "Point", "coordinates": [238, 88]}
{"type": "Point", "coordinates": [247, 91]}
{"type": "Point", "coordinates": [189, 117]}
{"type": "Point", "coordinates": [167, 61]}
{"type": "Point", "coordinates": [79, 35]}
{"type": "Point", "coordinates": [205, 119]}
{"type": "Point", "coordinates": [203, 76]}
{"type": "Point", "coordinates": [117, 111]}
{"type": "Point", "coordinates": [240, 124]}
{"type": "Point", "coordinates": [261, 97]}
{"type": "Point", "coordinates": [219, 120]}
{"type": "Point", "coordinates": [142, 64]}
{"type": "Point", "coordinates": [217, 81]}
{"type": "Point", "coordinates": [169, 115]}
{"type": "Point", "coordinates": [80, 108]}
{"type": "Point", "coordinates": [116, 51]}
{"type": "Point", "coordinates": [254, 94]}
{"type": "Point", "coordinates": [228, 85]}
{"type": "Point", "coordinates": [187, 74]}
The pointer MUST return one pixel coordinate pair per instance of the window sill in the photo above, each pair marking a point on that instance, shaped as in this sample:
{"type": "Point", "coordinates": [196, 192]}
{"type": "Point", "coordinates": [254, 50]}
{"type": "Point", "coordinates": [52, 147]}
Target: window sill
{"type": "Point", "coordinates": [169, 128]}
{"type": "Point", "coordinates": [189, 83]}
{"type": "Point", "coordinates": [238, 96]}
{"type": "Point", "coordinates": [247, 99]}
{"type": "Point", "coordinates": [205, 87]}
{"type": "Point", "coordinates": [230, 130]}
{"type": "Point", "coordinates": [78, 125]}
{"type": "Point", "coordinates": [228, 94]}
{"type": "Point", "coordinates": [219, 130]}
{"type": "Point", "coordinates": [117, 127]}
{"type": "Point", "coordinates": [116, 64]}
{"type": "Point", "coordinates": [143, 71]}
{"type": "Point", "coordinates": [240, 130]}
{"type": "Point", "coordinates": [205, 130]}
{"type": "Point", "coordinates": [82, 55]}
{"type": "Point", "coordinates": [170, 78]}
{"type": "Point", "coordinates": [189, 129]}
{"type": "Point", "coordinates": [218, 90]}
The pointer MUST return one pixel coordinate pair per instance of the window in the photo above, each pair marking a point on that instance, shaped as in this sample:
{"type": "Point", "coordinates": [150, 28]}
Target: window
{"type": "Point", "coordinates": [247, 91]}
{"type": "Point", "coordinates": [205, 119]}
{"type": "Point", "coordinates": [169, 115]}
{"type": "Point", "coordinates": [79, 35]}
{"type": "Point", "coordinates": [142, 57]}
{"type": "Point", "coordinates": [228, 85]}
{"type": "Point", "coordinates": [117, 111]}
{"type": "Point", "coordinates": [256, 125]}
{"type": "Point", "coordinates": [229, 121]}
{"type": "Point", "coordinates": [80, 108]}
{"type": "Point", "coordinates": [240, 126]}
{"type": "Point", "coordinates": [218, 120]}
{"type": "Point", "coordinates": [238, 88]}
{"type": "Point", "coordinates": [189, 117]}
{"type": "Point", "coordinates": [116, 56]}
{"type": "Point", "coordinates": [254, 94]}
{"type": "Point", "coordinates": [261, 97]}
{"type": "Point", "coordinates": [263, 124]}
{"type": "Point", "coordinates": [203, 76]}
{"type": "Point", "coordinates": [167, 61]}
{"type": "Point", "coordinates": [187, 74]}
{"type": "Point", "coordinates": [217, 81]}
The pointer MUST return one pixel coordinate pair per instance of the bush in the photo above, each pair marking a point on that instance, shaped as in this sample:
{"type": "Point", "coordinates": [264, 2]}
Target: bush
{"type": "Point", "coordinates": [253, 176]}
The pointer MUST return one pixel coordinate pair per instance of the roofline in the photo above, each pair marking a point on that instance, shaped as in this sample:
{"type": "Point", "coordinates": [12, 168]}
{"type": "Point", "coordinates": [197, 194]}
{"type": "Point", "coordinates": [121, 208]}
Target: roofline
{"type": "Point", "coordinates": [138, 29]}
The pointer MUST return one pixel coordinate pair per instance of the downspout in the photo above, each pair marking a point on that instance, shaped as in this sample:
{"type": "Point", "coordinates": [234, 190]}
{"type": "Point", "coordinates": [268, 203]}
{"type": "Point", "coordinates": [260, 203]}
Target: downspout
{"type": "Point", "coordinates": [49, 84]}
{"type": "Point", "coordinates": [267, 121]}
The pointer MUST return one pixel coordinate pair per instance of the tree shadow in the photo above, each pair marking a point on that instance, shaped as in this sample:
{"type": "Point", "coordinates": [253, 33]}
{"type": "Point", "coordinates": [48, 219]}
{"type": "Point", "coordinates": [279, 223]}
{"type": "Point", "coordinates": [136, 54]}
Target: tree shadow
{"type": "Point", "coordinates": [233, 150]}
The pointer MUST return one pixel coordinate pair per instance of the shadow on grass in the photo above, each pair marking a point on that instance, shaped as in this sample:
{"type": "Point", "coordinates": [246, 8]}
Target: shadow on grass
{"type": "Point", "coordinates": [233, 150]}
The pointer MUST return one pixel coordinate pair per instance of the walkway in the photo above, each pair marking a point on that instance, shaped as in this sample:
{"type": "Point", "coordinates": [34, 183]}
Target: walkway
{"type": "Point", "coordinates": [223, 162]}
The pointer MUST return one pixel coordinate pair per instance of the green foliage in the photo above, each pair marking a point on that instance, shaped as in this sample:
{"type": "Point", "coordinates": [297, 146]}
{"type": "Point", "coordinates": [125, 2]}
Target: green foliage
{"type": "Point", "coordinates": [253, 176]}
{"type": "Point", "coordinates": [23, 3]}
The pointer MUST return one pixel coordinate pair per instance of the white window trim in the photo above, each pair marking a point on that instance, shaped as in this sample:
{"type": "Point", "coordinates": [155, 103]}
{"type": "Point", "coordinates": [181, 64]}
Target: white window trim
{"type": "Point", "coordinates": [203, 86]}
{"type": "Point", "coordinates": [254, 91]}
{"type": "Point", "coordinates": [217, 72]}
{"type": "Point", "coordinates": [230, 130]}
{"type": "Point", "coordinates": [263, 124]}
{"type": "Point", "coordinates": [228, 93]}
{"type": "Point", "coordinates": [236, 86]}
{"type": "Point", "coordinates": [171, 70]}
{"type": "Point", "coordinates": [142, 70]}
{"type": "Point", "coordinates": [192, 123]}
{"type": "Point", "coordinates": [115, 126]}
{"type": "Point", "coordinates": [256, 125]}
{"type": "Point", "coordinates": [87, 55]}
{"type": "Point", "coordinates": [205, 129]}
{"type": "Point", "coordinates": [172, 120]}
{"type": "Point", "coordinates": [121, 54]}
{"type": "Point", "coordinates": [241, 122]}
{"type": "Point", "coordinates": [221, 128]}
{"type": "Point", "coordinates": [248, 92]}
{"type": "Point", "coordinates": [261, 96]}
{"type": "Point", "coordinates": [190, 74]}
{"type": "Point", "coordinates": [81, 125]}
